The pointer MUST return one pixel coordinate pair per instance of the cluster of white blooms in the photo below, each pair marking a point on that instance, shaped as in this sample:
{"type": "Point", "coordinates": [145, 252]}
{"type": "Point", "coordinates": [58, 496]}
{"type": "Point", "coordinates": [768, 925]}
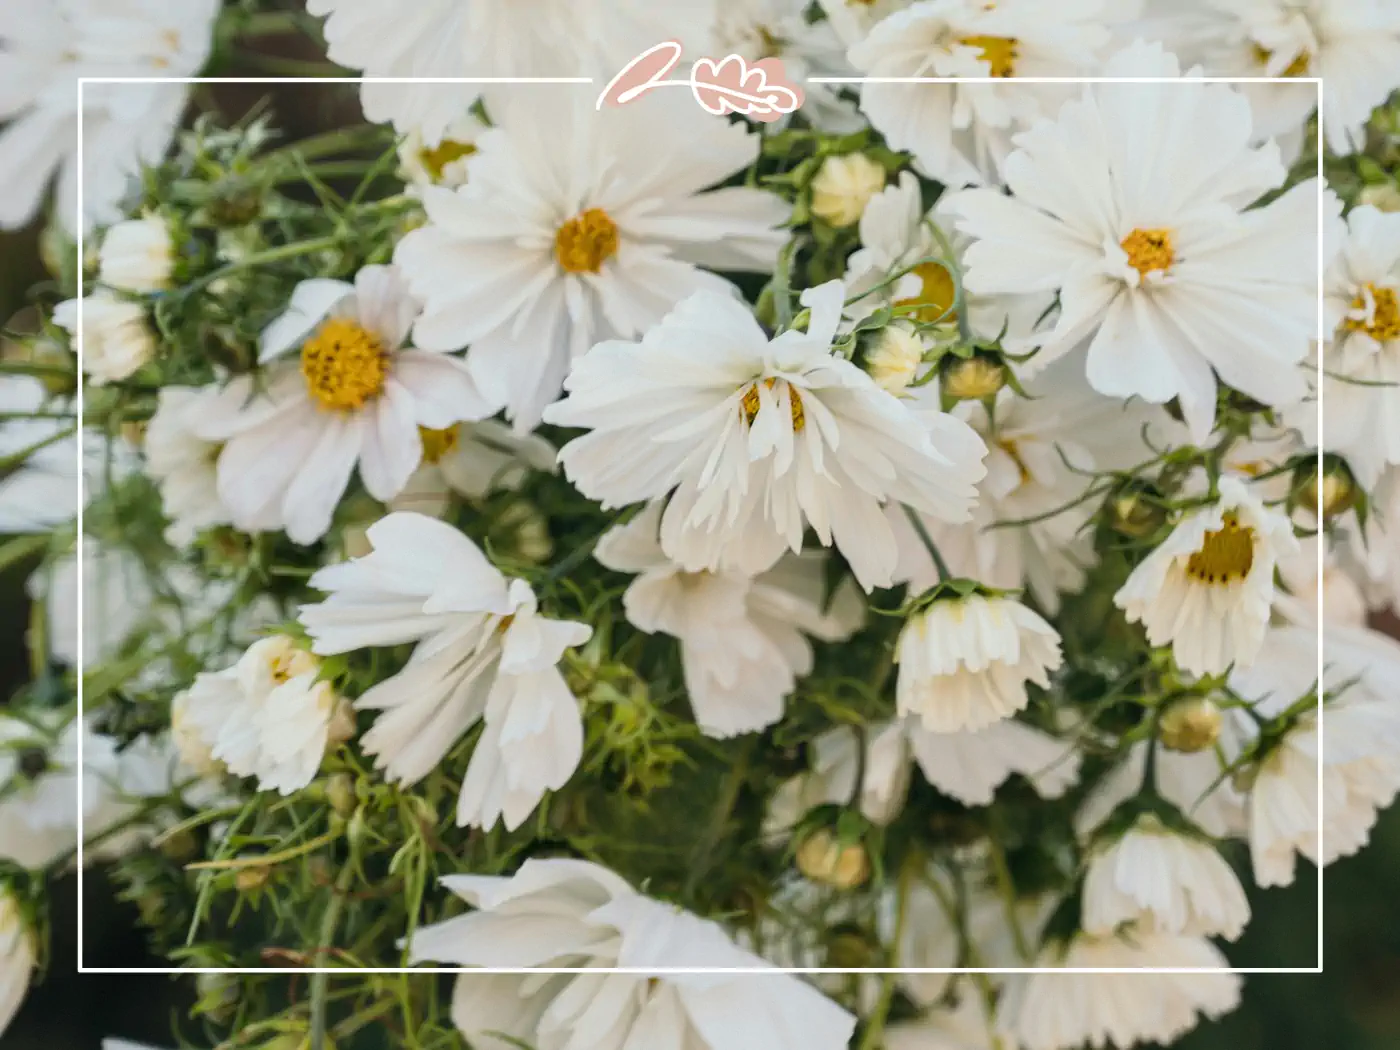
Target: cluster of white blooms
{"type": "Point", "coordinates": [699, 546]}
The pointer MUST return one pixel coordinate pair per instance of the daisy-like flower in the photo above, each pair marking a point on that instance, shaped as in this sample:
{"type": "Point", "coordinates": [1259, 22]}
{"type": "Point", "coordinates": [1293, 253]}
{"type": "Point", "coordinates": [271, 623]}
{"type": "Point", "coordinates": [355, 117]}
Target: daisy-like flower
{"type": "Point", "coordinates": [756, 440]}
{"type": "Point", "coordinates": [573, 913]}
{"type": "Point", "coordinates": [964, 661]}
{"type": "Point", "coordinates": [477, 459]}
{"type": "Point", "coordinates": [477, 38]}
{"type": "Point", "coordinates": [960, 133]}
{"type": "Point", "coordinates": [137, 255]}
{"type": "Point", "coordinates": [117, 338]}
{"type": "Point", "coordinates": [1207, 589]}
{"type": "Point", "coordinates": [576, 226]}
{"type": "Point", "coordinates": [17, 957]}
{"type": "Point", "coordinates": [744, 639]}
{"type": "Point", "coordinates": [445, 162]}
{"type": "Point", "coordinates": [125, 126]}
{"type": "Point", "coordinates": [1362, 374]}
{"type": "Point", "coordinates": [1050, 1010]}
{"type": "Point", "coordinates": [1165, 881]}
{"type": "Point", "coordinates": [1160, 266]}
{"type": "Point", "coordinates": [42, 490]}
{"type": "Point", "coordinates": [184, 464]}
{"type": "Point", "coordinates": [484, 653]}
{"type": "Point", "coordinates": [354, 396]}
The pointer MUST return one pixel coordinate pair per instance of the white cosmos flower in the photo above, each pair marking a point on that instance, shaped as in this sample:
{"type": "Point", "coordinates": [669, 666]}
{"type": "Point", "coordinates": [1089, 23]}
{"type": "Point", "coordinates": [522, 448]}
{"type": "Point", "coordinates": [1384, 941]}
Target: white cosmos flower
{"type": "Point", "coordinates": [477, 459]}
{"type": "Point", "coordinates": [184, 464]}
{"type": "Point", "coordinates": [117, 600]}
{"type": "Point", "coordinates": [47, 48]}
{"type": "Point", "coordinates": [744, 639]}
{"type": "Point", "coordinates": [1160, 268]}
{"type": "Point", "coordinates": [484, 653]}
{"type": "Point", "coordinates": [1050, 1010]}
{"type": "Point", "coordinates": [1207, 589]}
{"type": "Point", "coordinates": [42, 491]}
{"type": "Point", "coordinates": [354, 396]}
{"type": "Point", "coordinates": [117, 337]}
{"type": "Point", "coordinates": [961, 1026]}
{"type": "Point", "coordinates": [577, 226]}
{"type": "Point", "coordinates": [960, 133]}
{"type": "Point", "coordinates": [853, 19]}
{"type": "Point", "coordinates": [964, 661]}
{"type": "Point", "coordinates": [478, 38]}
{"type": "Point", "coordinates": [17, 957]}
{"type": "Point", "coordinates": [137, 255]}
{"type": "Point", "coordinates": [445, 162]}
{"type": "Point", "coordinates": [1165, 881]}
{"type": "Point", "coordinates": [756, 440]}
{"type": "Point", "coordinates": [573, 913]}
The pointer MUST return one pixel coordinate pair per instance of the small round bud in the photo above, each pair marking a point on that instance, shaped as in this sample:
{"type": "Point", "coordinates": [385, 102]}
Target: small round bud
{"type": "Point", "coordinates": [850, 948]}
{"type": "Point", "coordinates": [250, 879]}
{"type": "Point", "coordinates": [1135, 515]}
{"type": "Point", "coordinates": [823, 859]}
{"type": "Point", "coordinates": [1190, 725]}
{"type": "Point", "coordinates": [340, 793]}
{"type": "Point", "coordinates": [973, 379]}
{"type": "Point", "coordinates": [844, 186]}
{"type": "Point", "coordinates": [179, 847]}
{"type": "Point", "coordinates": [893, 358]}
{"type": "Point", "coordinates": [1336, 494]}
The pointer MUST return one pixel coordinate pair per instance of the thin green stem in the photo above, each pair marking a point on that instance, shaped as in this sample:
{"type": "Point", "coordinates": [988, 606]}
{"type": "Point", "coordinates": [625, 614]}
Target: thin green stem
{"type": "Point", "coordinates": [919, 527]}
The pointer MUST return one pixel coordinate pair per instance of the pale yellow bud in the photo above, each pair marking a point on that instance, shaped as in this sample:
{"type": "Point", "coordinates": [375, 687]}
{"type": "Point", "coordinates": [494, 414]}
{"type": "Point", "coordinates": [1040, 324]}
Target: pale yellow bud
{"type": "Point", "coordinates": [973, 379]}
{"type": "Point", "coordinates": [823, 859]}
{"type": "Point", "coordinates": [893, 360]}
{"type": "Point", "coordinates": [1191, 725]}
{"type": "Point", "coordinates": [1384, 196]}
{"type": "Point", "coordinates": [844, 186]}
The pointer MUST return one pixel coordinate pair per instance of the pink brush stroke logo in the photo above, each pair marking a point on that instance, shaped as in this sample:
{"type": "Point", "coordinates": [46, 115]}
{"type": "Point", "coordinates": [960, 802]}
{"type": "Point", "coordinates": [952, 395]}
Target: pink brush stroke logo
{"type": "Point", "coordinates": [760, 90]}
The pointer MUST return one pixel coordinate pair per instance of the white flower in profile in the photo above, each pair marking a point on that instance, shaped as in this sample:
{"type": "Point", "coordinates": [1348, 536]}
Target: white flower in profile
{"type": "Point", "coordinates": [354, 396]}
{"type": "Point", "coordinates": [47, 48]}
{"type": "Point", "coordinates": [42, 490]}
{"type": "Point", "coordinates": [577, 226]}
{"type": "Point", "coordinates": [484, 653]}
{"type": "Point", "coordinates": [116, 336]}
{"type": "Point", "coordinates": [960, 133]}
{"type": "Point", "coordinates": [183, 464]}
{"type": "Point", "coordinates": [137, 255]}
{"type": "Point", "coordinates": [477, 459]}
{"type": "Point", "coordinates": [744, 639]}
{"type": "Point", "coordinates": [1163, 880]}
{"type": "Point", "coordinates": [18, 957]}
{"type": "Point", "coordinates": [574, 913]}
{"type": "Point", "coordinates": [756, 440]}
{"type": "Point", "coordinates": [443, 163]}
{"type": "Point", "coordinates": [1055, 1010]}
{"type": "Point", "coordinates": [1207, 589]}
{"type": "Point", "coordinates": [1155, 253]}
{"type": "Point", "coordinates": [965, 658]}
{"type": "Point", "coordinates": [962, 1026]}
{"type": "Point", "coordinates": [117, 597]}
{"type": "Point", "coordinates": [478, 38]}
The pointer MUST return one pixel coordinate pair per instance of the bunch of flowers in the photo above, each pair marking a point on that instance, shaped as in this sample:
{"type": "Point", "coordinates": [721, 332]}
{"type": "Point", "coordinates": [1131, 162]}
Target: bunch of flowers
{"type": "Point", "coordinates": [671, 550]}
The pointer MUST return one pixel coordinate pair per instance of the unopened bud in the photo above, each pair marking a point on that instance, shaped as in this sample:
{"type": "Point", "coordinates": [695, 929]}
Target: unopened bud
{"type": "Point", "coordinates": [844, 186]}
{"type": "Point", "coordinates": [1190, 725]}
{"type": "Point", "coordinates": [1135, 515]}
{"type": "Point", "coordinates": [249, 879]}
{"type": "Point", "coordinates": [823, 859]}
{"type": "Point", "coordinates": [1335, 495]}
{"type": "Point", "coordinates": [974, 378]}
{"type": "Point", "coordinates": [894, 357]}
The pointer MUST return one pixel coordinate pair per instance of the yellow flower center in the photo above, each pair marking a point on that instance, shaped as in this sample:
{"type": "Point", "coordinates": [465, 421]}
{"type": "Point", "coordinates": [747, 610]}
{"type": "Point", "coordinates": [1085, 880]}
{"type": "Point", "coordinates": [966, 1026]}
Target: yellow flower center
{"type": "Point", "coordinates": [936, 296]}
{"type": "Point", "coordinates": [1149, 250]}
{"type": "Point", "coordinates": [586, 241]}
{"type": "Point", "coordinates": [1297, 68]}
{"type": "Point", "coordinates": [999, 52]}
{"type": "Point", "coordinates": [1380, 314]}
{"type": "Point", "coordinates": [749, 407]}
{"type": "Point", "coordinates": [438, 443]}
{"type": "Point", "coordinates": [344, 365]}
{"type": "Point", "coordinates": [1226, 555]}
{"type": "Point", "coordinates": [437, 158]}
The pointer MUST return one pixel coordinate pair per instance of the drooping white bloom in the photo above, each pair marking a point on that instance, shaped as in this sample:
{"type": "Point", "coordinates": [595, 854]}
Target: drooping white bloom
{"type": "Point", "coordinates": [964, 661]}
{"type": "Point", "coordinates": [1207, 589]}
{"type": "Point", "coordinates": [484, 653]}
{"type": "Point", "coordinates": [137, 255]}
{"type": "Point", "coordinates": [756, 440]}
{"type": "Point", "coordinates": [17, 957]}
{"type": "Point", "coordinates": [1050, 1010]}
{"type": "Point", "coordinates": [183, 463]}
{"type": "Point", "coordinates": [117, 339]}
{"type": "Point", "coordinates": [478, 38]}
{"type": "Point", "coordinates": [960, 133]}
{"type": "Point", "coordinates": [744, 639]}
{"type": "Point", "coordinates": [576, 226]}
{"type": "Point", "coordinates": [1165, 881]}
{"type": "Point", "coordinates": [573, 913]}
{"type": "Point", "coordinates": [1161, 267]}
{"type": "Point", "coordinates": [356, 396]}
{"type": "Point", "coordinates": [962, 1026]}
{"type": "Point", "coordinates": [41, 491]}
{"type": "Point", "coordinates": [47, 48]}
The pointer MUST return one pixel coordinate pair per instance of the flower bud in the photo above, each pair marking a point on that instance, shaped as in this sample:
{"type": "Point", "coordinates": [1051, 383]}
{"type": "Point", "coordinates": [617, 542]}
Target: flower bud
{"type": "Point", "coordinates": [1135, 515]}
{"type": "Point", "coordinates": [1383, 196]}
{"type": "Point", "coordinates": [340, 793]}
{"type": "Point", "coordinates": [844, 186]}
{"type": "Point", "coordinates": [893, 358]}
{"type": "Point", "coordinates": [974, 378]}
{"type": "Point", "coordinates": [137, 256]}
{"type": "Point", "coordinates": [250, 879]}
{"type": "Point", "coordinates": [1190, 725]}
{"type": "Point", "coordinates": [1336, 493]}
{"type": "Point", "coordinates": [823, 859]}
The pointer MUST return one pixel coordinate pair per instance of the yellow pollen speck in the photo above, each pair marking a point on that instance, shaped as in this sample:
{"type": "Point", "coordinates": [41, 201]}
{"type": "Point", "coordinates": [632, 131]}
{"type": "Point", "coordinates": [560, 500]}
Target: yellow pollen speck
{"type": "Point", "coordinates": [438, 443]}
{"type": "Point", "coordinates": [749, 407]}
{"type": "Point", "coordinates": [344, 365]}
{"type": "Point", "coordinates": [1379, 310]}
{"type": "Point", "coordinates": [1297, 68]}
{"type": "Point", "coordinates": [1149, 250]}
{"type": "Point", "coordinates": [1226, 555]}
{"type": "Point", "coordinates": [936, 297]}
{"type": "Point", "coordinates": [586, 241]}
{"type": "Point", "coordinates": [443, 154]}
{"type": "Point", "coordinates": [999, 52]}
{"type": "Point", "coordinates": [1009, 447]}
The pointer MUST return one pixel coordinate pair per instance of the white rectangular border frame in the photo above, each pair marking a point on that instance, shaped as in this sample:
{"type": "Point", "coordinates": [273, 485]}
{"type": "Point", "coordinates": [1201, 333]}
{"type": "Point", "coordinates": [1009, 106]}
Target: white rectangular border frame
{"type": "Point", "coordinates": [343, 971]}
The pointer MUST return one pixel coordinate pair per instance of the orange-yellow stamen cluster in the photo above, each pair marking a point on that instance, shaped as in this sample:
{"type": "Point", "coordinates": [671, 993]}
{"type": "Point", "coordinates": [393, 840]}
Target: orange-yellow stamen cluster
{"type": "Point", "coordinates": [1297, 68]}
{"type": "Point", "coordinates": [586, 241]}
{"type": "Point", "coordinates": [438, 443]}
{"type": "Point", "coordinates": [1226, 555]}
{"type": "Point", "coordinates": [1380, 314]}
{"type": "Point", "coordinates": [436, 158]}
{"type": "Point", "coordinates": [1149, 250]}
{"type": "Point", "coordinates": [999, 52]}
{"type": "Point", "coordinates": [344, 365]}
{"type": "Point", "coordinates": [748, 408]}
{"type": "Point", "coordinates": [936, 294]}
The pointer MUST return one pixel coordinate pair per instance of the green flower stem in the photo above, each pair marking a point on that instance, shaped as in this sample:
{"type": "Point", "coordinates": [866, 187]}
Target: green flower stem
{"type": "Point", "coordinates": [320, 981]}
{"type": "Point", "coordinates": [943, 574]}
{"type": "Point", "coordinates": [874, 1035]}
